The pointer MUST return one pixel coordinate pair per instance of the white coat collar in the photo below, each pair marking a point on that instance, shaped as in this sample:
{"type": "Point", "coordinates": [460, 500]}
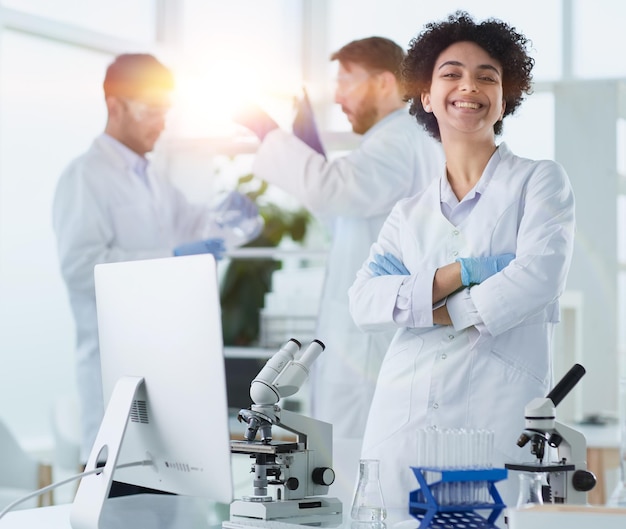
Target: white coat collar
{"type": "Point", "coordinates": [387, 119]}
{"type": "Point", "coordinates": [450, 204]}
{"type": "Point", "coordinates": [133, 161]}
{"type": "Point", "coordinates": [433, 192]}
{"type": "Point", "coordinates": [127, 166]}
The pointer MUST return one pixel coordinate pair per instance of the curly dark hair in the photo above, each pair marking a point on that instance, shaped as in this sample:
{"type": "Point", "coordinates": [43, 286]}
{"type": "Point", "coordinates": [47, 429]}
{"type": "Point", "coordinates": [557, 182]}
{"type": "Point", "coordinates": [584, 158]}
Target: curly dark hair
{"type": "Point", "coordinates": [501, 41]}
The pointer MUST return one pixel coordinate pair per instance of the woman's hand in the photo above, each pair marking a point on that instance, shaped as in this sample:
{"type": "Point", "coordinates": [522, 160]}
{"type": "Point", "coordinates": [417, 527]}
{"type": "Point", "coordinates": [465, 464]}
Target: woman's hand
{"type": "Point", "coordinates": [475, 270]}
{"type": "Point", "coordinates": [388, 264]}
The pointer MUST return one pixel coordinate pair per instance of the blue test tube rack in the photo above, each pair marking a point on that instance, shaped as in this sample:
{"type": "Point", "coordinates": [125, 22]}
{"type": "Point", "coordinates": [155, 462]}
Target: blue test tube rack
{"type": "Point", "coordinates": [424, 506]}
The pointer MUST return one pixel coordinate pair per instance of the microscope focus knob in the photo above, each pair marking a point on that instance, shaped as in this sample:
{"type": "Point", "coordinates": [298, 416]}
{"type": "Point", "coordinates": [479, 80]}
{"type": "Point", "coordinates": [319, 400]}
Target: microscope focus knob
{"type": "Point", "coordinates": [292, 483]}
{"type": "Point", "coordinates": [583, 480]}
{"type": "Point", "coordinates": [555, 440]}
{"type": "Point", "coordinates": [323, 476]}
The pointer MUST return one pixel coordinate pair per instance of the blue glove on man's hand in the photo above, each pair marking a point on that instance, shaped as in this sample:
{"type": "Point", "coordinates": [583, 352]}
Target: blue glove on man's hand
{"type": "Point", "coordinates": [475, 270]}
{"type": "Point", "coordinates": [256, 119]}
{"type": "Point", "coordinates": [304, 126]}
{"type": "Point", "coordinates": [388, 265]}
{"type": "Point", "coordinates": [213, 246]}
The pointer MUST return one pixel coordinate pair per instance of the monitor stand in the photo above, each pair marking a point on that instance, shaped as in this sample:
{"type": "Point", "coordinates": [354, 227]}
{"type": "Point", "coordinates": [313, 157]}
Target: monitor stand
{"type": "Point", "coordinates": [94, 489]}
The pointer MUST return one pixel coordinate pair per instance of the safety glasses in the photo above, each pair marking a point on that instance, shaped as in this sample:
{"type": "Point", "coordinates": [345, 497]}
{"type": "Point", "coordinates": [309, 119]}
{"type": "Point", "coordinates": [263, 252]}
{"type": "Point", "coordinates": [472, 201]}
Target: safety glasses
{"type": "Point", "coordinates": [142, 111]}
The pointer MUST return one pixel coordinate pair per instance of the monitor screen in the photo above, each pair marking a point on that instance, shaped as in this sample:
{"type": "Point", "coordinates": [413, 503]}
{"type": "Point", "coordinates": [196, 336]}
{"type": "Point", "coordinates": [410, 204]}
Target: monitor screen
{"type": "Point", "coordinates": [159, 322]}
{"type": "Point", "coordinates": [239, 373]}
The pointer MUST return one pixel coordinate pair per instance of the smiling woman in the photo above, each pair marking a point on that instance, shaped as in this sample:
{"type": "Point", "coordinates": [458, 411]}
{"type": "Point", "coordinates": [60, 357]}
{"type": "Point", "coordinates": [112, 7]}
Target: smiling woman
{"type": "Point", "coordinates": [511, 64]}
{"type": "Point", "coordinates": [466, 91]}
{"type": "Point", "coordinates": [484, 250]}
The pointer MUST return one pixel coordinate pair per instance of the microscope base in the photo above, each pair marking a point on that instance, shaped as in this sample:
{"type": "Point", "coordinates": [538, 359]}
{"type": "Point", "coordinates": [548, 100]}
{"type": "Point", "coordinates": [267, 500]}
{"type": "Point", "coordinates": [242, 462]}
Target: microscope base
{"type": "Point", "coordinates": [275, 510]}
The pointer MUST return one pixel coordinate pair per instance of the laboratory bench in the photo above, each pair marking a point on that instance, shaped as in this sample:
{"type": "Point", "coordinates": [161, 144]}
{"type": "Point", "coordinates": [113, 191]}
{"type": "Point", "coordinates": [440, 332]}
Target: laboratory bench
{"type": "Point", "coordinates": [261, 353]}
{"type": "Point", "coordinates": [147, 511]}
{"type": "Point", "coordinates": [603, 440]}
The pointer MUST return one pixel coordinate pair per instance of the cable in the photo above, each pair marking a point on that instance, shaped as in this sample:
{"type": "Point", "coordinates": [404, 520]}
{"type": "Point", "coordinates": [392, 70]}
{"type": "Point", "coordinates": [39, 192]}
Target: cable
{"type": "Point", "coordinates": [43, 490]}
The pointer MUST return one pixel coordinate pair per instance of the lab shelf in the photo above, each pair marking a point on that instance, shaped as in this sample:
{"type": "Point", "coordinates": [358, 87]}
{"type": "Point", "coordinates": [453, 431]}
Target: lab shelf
{"type": "Point", "coordinates": [424, 506]}
{"type": "Point", "coordinates": [248, 352]}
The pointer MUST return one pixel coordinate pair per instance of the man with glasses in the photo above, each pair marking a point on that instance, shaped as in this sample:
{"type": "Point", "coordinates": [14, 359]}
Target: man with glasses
{"type": "Point", "coordinates": [110, 206]}
{"type": "Point", "coordinates": [354, 193]}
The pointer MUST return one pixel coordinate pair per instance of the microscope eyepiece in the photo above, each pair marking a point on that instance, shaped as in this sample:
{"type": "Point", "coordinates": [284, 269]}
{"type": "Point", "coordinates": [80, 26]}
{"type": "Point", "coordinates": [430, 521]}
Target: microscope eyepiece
{"type": "Point", "coordinates": [566, 384]}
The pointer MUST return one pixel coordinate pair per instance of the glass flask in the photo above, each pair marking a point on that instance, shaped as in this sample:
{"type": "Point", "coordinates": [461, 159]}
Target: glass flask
{"type": "Point", "coordinates": [231, 223]}
{"type": "Point", "coordinates": [236, 229]}
{"type": "Point", "coordinates": [530, 487]}
{"type": "Point", "coordinates": [368, 504]}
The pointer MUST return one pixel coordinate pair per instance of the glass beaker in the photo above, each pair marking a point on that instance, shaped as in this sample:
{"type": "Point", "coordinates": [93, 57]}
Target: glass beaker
{"type": "Point", "coordinates": [232, 224]}
{"type": "Point", "coordinates": [368, 504]}
{"type": "Point", "coordinates": [530, 488]}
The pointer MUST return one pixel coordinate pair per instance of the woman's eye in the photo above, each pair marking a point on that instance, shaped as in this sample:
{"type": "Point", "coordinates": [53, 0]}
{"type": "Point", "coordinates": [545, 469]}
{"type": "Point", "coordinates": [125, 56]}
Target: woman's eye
{"type": "Point", "coordinates": [489, 77]}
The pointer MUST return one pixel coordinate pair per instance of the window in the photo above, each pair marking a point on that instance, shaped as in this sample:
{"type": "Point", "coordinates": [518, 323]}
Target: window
{"type": "Point", "coordinates": [135, 20]}
{"type": "Point", "coordinates": [51, 107]}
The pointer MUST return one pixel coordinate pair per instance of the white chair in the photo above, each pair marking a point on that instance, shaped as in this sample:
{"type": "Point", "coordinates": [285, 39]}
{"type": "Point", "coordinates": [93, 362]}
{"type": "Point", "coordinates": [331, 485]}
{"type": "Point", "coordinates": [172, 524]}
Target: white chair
{"type": "Point", "coordinates": [20, 472]}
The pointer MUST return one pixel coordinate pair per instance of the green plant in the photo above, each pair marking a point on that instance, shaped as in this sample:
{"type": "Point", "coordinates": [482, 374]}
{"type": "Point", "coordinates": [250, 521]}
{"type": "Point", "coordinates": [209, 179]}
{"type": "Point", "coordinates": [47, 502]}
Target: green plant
{"type": "Point", "coordinates": [247, 281]}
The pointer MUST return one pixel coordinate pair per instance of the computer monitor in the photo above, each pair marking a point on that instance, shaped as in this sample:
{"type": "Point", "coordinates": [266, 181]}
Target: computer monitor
{"type": "Point", "coordinates": [161, 353]}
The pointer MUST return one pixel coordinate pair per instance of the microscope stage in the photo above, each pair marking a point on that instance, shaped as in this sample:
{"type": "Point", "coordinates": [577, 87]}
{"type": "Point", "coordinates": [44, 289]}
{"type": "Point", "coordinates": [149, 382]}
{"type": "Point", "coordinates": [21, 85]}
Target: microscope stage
{"type": "Point", "coordinates": [257, 447]}
{"type": "Point", "coordinates": [540, 467]}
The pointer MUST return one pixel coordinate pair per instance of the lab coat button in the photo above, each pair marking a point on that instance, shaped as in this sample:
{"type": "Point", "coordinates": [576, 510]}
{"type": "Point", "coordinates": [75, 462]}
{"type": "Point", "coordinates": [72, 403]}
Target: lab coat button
{"type": "Point", "coordinates": [444, 356]}
{"type": "Point", "coordinates": [455, 253]}
{"type": "Point", "coordinates": [451, 336]}
{"type": "Point", "coordinates": [435, 405]}
{"type": "Point", "coordinates": [455, 232]}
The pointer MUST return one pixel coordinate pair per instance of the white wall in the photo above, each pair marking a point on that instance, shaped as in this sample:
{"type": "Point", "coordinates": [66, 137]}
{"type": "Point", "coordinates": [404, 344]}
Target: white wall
{"type": "Point", "coordinates": [49, 111]}
{"type": "Point", "coordinates": [51, 108]}
{"type": "Point", "coordinates": [586, 124]}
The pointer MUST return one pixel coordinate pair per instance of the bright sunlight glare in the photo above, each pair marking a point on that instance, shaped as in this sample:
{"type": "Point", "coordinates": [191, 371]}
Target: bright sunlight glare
{"type": "Point", "coordinates": [205, 100]}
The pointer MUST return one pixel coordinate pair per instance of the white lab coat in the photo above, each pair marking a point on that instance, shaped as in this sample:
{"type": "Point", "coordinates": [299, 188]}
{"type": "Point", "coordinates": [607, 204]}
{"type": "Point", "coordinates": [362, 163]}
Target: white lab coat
{"type": "Point", "coordinates": [481, 376]}
{"type": "Point", "coordinates": [354, 193]}
{"type": "Point", "coordinates": [102, 213]}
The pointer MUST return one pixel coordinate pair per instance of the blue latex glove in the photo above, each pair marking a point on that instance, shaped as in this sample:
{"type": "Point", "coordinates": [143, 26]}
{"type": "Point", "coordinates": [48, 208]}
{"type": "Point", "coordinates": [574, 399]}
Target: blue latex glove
{"type": "Point", "coordinates": [235, 202]}
{"type": "Point", "coordinates": [256, 119]}
{"type": "Point", "coordinates": [213, 246]}
{"type": "Point", "coordinates": [388, 265]}
{"type": "Point", "coordinates": [475, 270]}
{"type": "Point", "coordinates": [304, 126]}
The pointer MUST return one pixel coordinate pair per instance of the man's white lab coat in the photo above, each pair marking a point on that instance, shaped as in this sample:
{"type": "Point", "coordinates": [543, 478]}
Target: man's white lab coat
{"type": "Point", "coordinates": [354, 193]}
{"type": "Point", "coordinates": [103, 212]}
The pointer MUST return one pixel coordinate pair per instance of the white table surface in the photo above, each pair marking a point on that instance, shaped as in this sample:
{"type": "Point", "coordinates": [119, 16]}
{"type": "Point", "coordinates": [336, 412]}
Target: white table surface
{"type": "Point", "coordinates": [566, 517]}
{"type": "Point", "coordinates": [144, 511]}
{"type": "Point", "coordinates": [149, 511]}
